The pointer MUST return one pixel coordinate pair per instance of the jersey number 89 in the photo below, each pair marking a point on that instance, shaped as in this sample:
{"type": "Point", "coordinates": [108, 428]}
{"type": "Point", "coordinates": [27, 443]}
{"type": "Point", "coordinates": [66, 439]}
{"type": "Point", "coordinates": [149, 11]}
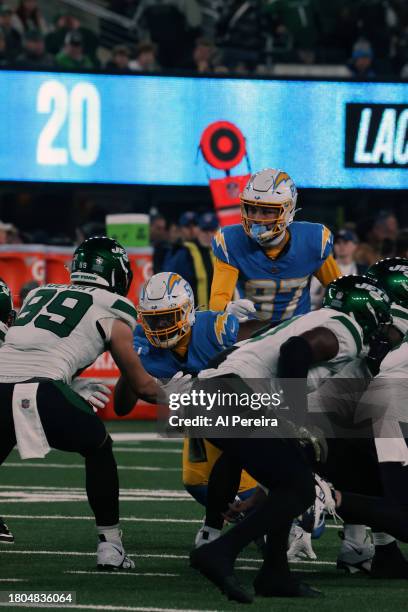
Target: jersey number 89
{"type": "Point", "coordinates": [62, 313]}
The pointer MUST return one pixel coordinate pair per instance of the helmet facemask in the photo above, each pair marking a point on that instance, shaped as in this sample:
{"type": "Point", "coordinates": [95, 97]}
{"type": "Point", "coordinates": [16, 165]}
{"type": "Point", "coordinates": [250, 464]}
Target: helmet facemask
{"type": "Point", "coordinates": [268, 205]}
{"type": "Point", "coordinates": [271, 222]}
{"type": "Point", "coordinates": [164, 328]}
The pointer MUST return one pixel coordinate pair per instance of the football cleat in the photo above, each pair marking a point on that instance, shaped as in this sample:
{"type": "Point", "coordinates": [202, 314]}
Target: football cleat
{"type": "Point", "coordinates": [112, 556]}
{"type": "Point", "coordinates": [325, 501]}
{"type": "Point", "coordinates": [312, 520]}
{"type": "Point", "coordinates": [353, 558]}
{"type": "Point", "coordinates": [300, 544]}
{"type": "Point", "coordinates": [5, 534]}
{"type": "Point", "coordinates": [218, 568]}
{"type": "Point", "coordinates": [205, 535]}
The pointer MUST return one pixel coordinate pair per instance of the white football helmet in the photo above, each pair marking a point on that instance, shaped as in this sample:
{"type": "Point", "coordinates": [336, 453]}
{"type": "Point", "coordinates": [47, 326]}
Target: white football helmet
{"type": "Point", "coordinates": [166, 309]}
{"type": "Point", "coordinates": [270, 191]}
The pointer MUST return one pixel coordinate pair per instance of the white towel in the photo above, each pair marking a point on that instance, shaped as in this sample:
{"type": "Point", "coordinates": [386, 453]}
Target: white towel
{"type": "Point", "coordinates": [31, 439]}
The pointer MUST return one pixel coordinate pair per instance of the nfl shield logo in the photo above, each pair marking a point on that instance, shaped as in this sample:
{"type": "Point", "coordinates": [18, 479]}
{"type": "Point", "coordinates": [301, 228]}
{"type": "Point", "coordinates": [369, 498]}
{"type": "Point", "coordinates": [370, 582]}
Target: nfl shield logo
{"type": "Point", "coordinates": [25, 404]}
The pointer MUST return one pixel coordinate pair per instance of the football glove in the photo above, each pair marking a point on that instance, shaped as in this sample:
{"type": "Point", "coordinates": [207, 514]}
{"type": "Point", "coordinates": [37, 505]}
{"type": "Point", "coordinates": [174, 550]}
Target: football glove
{"type": "Point", "coordinates": [315, 437]}
{"type": "Point", "coordinates": [94, 393]}
{"type": "Point", "coordinates": [180, 383]}
{"type": "Point", "coordinates": [379, 347]}
{"type": "Point", "coordinates": [242, 309]}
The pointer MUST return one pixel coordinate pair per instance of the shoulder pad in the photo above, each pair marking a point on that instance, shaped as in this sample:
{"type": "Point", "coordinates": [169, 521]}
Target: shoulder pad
{"type": "Point", "coordinates": [124, 310]}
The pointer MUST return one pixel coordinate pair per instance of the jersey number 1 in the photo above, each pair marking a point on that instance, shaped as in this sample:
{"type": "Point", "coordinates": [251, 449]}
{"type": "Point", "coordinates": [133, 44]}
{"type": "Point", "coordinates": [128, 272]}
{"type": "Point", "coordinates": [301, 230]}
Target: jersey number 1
{"type": "Point", "coordinates": [64, 312]}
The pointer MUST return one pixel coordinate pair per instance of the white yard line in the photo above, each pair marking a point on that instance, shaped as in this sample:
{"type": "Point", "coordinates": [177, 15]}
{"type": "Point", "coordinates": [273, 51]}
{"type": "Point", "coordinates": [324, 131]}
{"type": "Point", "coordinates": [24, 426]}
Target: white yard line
{"type": "Point", "coordinates": [146, 449]}
{"type": "Point", "coordinates": [130, 519]}
{"type": "Point", "coordinates": [122, 573]}
{"type": "Point", "coordinates": [12, 494]}
{"type": "Point", "coordinates": [72, 553]}
{"type": "Point", "coordinates": [78, 466]}
{"type": "Point", "coordinates": [13, 579]}
{"type": "Point", "coordinates": [113, 608]}
{"type": "Point", "coordinates": [141, 436]}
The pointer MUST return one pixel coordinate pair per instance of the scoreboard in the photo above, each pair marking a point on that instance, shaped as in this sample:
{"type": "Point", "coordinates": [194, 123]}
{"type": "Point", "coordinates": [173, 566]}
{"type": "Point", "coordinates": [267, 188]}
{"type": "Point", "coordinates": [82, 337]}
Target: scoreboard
{"type": "Point", "coordinates": [135, 129]}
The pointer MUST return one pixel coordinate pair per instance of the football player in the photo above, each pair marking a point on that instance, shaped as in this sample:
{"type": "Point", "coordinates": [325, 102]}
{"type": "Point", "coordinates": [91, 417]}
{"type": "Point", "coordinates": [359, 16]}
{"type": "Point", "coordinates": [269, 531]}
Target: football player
{"type": "Point", "coordinates": [59, 331]}
{"type": "Point", "coordinates": [313, 346]}
{"type": "Point", "coordinates": [389, 390]}
{"type": "Point", "coordinates": [270, 257]}
{"type": "Point", "coordinates": [7, 316]}
{"type": "Point", "coordinates": [173, 337]}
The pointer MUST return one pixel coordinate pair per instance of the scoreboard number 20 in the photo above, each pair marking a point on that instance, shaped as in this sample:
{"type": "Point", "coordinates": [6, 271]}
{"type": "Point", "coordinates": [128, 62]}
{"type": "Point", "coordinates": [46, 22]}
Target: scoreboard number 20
{"type": "Point", "coordinates": [77, 110]}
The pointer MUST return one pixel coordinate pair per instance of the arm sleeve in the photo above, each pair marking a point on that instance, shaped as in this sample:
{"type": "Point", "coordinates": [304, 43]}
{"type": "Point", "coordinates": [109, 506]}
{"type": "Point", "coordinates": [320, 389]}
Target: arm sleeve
{"type": "Point", "coordinates": [328, 271]}
{"type": "Point", "coordinates": [226, 328]}
{"type": "Point", "coordinates": [223, 285]}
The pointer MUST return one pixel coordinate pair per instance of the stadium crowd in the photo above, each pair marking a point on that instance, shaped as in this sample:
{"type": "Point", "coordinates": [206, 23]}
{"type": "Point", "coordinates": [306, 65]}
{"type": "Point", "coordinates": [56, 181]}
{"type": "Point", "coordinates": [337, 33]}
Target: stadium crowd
{"type": "Point", "coordinates": [366, 38]}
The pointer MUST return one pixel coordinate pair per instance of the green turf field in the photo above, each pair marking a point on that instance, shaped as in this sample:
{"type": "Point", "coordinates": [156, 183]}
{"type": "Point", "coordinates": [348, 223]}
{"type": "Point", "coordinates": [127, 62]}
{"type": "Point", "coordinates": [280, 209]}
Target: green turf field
{"type": "Point", "coordinates": [44, 504]}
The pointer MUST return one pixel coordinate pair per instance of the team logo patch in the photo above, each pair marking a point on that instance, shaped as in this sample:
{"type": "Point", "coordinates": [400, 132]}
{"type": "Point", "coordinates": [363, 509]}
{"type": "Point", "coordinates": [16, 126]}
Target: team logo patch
{"type": "Point", "coordinates": [25, 404]}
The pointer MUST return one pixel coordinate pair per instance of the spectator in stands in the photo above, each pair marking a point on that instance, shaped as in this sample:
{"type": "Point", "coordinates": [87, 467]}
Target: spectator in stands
{"type": "Point", "coordinates": [67, 22]}
{"type": "Point", "coordinates": [188, 225]}
{"type": "Point", "coordinates": [174, 233]}
{"type": "Point", "coordinates": [378, 237]}
{"type": "Point", "coordinates": [345, 246]}
{"type": "Point", "coordinates": [34, 54]}
{"type": "Point", "coordinates": [28, 17]}
{"type": "Point", "coordinates": [169, 29]}
{"type": "Point", "coordinates": [384, 232]}
{"type": "Point", "coordinates": [241, 31]}
{"type": "Point", "coordinates": [187, 231]}
{"type": "Point", "coordinates": [159, 241]}
{"type": "Point", "coordinates": [145, 59]}
{"type": "Point", "coordinates": [361, 63]}
{"type": "Point", "coordinates": [366, 255]}
{"type": "Point", "coordinates": [295, 23]}
{"type": "Point", "coordinates": [11, 35]}
{"type": "Point", "coordinates": [375, 19]}
{"type": "Point", "coordinates": [194, 259]}
{"type": "Point", "coordinates": [72, 57]}
{"type": "Point", "coordinates": [5, 228]}
{"type": "Point", "coordinates": [119, 61]}
{"type": "Point", "coordinates": [203, 56]}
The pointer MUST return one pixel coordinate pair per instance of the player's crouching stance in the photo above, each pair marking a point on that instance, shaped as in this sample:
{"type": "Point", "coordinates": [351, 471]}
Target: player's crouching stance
{"type": "Point", "coordinates": [60, 330]}
{"type": "Point", "coordinates": [175, 337]}
{"type": "Point", "coordinates": [306, 348]}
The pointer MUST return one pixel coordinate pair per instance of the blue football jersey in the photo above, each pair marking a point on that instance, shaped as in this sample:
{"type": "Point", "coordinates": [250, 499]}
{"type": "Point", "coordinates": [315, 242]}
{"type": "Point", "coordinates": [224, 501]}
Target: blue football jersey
{"type": "Point", "coordinates": [211, 333]}
{"type": "Point", "coordinates": [279, 287]}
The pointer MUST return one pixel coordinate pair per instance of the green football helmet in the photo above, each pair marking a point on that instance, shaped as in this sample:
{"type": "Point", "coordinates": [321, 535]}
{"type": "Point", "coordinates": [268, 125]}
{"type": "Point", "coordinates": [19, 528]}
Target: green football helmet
{"type": "Point", "coordinates": [363, 299]}
{"type": "Point", "coordinates": [392, 275]}
{"type": "Point", "coordinates": [103, 262]}
{"type": "Point", "coordinates": [7, 312]}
